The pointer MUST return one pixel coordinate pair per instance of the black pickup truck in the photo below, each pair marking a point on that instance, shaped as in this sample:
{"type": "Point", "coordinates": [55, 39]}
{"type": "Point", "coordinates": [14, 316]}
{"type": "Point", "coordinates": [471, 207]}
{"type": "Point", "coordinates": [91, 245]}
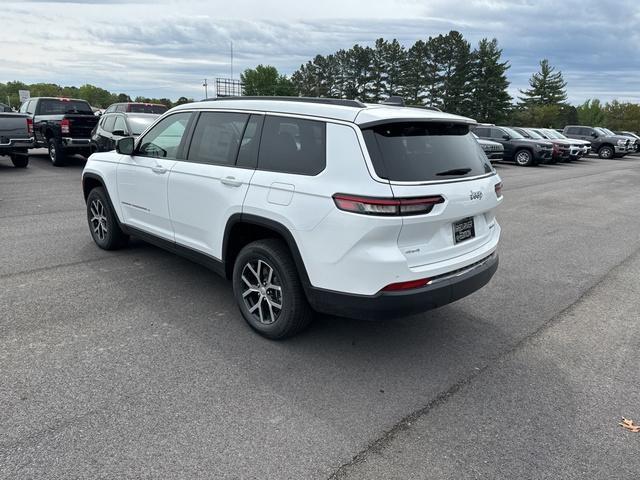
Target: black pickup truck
{"type": "Point", "coordinates": [63, 125]}
{"type": "Point", "coordinates": [15, 137]}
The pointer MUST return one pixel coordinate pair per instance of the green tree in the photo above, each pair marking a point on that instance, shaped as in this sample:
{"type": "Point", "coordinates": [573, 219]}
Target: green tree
{"type": "Point", "coordinates": [490, 100]}
{"type": "Point", "coordinates": [265, 80]}
{"type": "Point", "coordinates": [547, 87]}
{"type": "Point", "coordinates": [591, 112]}
{"type": "Point", "coordinates": [453, 56]}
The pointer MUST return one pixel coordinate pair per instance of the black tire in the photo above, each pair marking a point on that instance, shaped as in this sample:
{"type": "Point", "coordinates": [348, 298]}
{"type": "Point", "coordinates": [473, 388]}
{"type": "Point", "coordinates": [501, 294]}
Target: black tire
{"type": "Point", "coordinates": [103, 223]}
{"type": "Point", "coordinates": [523, 158]}
{"type": "Point", "coordinates": [56, 152]}
{"type": "Point", "coordinates": [606, 152]}
{"type": "Point", "coordinates": [254, 261]}
{"type": "Point", "coordinates": [20, 161]}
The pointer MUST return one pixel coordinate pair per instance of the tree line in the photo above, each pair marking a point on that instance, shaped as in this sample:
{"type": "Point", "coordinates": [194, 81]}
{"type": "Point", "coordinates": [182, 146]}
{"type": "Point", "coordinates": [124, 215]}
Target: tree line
{"type": "Point", "coordinates": [96, 96]}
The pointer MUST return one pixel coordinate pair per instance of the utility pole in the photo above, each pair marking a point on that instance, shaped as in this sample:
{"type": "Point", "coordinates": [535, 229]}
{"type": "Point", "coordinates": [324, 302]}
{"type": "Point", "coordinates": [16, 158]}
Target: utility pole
{"type": "Point", "coordinates": [206, 93]}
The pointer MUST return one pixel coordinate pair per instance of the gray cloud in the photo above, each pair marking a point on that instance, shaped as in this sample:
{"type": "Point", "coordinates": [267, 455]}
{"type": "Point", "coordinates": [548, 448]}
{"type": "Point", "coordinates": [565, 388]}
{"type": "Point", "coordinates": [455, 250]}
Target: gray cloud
{"type": "Point", "coordinates": [126, 47]}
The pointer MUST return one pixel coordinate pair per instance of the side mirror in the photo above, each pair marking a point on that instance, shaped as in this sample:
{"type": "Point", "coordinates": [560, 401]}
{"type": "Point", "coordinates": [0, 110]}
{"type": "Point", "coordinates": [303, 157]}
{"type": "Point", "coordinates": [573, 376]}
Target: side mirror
{"type": "Point", "coordinates": [506, 137]}
{"type": "Point", "coordinates": [124, 146]}
{"type": "Point", "coordinates": [594, 134]}
{"type": "Point", "coordinates": [118, 133]}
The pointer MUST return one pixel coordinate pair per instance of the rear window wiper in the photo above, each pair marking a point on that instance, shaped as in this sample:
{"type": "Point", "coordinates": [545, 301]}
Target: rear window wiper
{"type": "Point", "coordinates": [455, 171]}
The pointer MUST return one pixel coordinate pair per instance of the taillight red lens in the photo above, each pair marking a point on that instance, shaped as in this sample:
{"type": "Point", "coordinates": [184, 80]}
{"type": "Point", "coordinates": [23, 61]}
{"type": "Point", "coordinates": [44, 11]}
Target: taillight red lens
{"type": "Point", "coordinates": [386, 206]}
{"type": "Point", "coordinates": [395, 287]}
{"type": "Point", "coordinates": [498, 188]}
{"type": "Point", "coordinates": [64, 126]}
{"type": "Point", "coordinates": [30, 126]}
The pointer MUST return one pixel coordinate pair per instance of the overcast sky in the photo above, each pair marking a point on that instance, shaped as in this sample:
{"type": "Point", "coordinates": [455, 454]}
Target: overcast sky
{"type": "Point", "coordinates": [165, 48]}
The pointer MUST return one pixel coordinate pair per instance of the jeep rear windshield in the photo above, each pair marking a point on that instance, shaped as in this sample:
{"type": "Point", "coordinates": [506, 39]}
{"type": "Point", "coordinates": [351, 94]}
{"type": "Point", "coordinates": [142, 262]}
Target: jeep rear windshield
{"type": "Point", "coordinates": [423, 151]}
{"type": "Point", "coordinates": [146, 108]}
{"type": "Point", "coordinates": [60, 107]}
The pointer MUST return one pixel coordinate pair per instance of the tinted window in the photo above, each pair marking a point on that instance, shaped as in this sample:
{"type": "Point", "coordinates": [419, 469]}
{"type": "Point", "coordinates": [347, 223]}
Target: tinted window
{"type": "Point", "coordinates": [109, 122]}
{"type": "Point", "coordinates": [293, 145]}
{"type": "Point", "coordinates": [248, 154]}
{"type": "Point", "coordinates": [163, 140]}
{"type": "Point", "coordinates": [497, 133]}
{"type": "Point", "coordinates": [58, 107]}
{"type": "Point", "coordinates": [146, 108]}
{"type": "Point", "coordinates": [216, 138]}
{"type": "Point", "coordinates": [422, 151]}
{"type": "Point", "coordinates": [138, 124]}
{"type": "Point", "coordinates": [585, 131]}
{"type": "Point", "coordinates": [483, 132]}
{"type": "Point", "coordinates": [120, 125]}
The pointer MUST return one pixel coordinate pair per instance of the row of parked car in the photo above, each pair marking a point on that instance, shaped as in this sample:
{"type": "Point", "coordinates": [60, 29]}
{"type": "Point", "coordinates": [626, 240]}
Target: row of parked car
{"type": "Point", "coordinates": [70, 126]}
{"type": "Point", "coordinates": [532, 146]}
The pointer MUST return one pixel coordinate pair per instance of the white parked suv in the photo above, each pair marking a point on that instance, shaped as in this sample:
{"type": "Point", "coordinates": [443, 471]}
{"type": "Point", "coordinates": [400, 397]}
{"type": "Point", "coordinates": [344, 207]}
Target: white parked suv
{"type": "Point", "coordinates": [367, 211]}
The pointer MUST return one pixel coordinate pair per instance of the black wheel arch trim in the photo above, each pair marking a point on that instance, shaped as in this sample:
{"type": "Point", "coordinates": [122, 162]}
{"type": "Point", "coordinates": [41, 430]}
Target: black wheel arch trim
{"type": "Point", "coordinates": [278, 228]}
{"type": "Point", "coordinates": [103, 184]}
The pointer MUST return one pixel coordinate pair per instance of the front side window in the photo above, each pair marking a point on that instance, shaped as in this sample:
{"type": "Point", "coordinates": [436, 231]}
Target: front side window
{"type": "Point", "coordinates": [483, 132]}
{"type": "Point", "coordinates": [293, 145]}
{"type": "Point", "coordinates": [164, 139]}
{"type": "Point", "coordinates": [108, 124]}
{"type": "Point", "coordinates": [423, 151]}
{"type": "Point", "coordinates": [216, 138]}
{"type": "Point", "coordinates": [119, 125]}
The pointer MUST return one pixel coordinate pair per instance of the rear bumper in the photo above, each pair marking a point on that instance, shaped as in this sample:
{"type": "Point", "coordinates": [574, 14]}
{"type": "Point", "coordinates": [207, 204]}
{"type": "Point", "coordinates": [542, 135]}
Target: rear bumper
{"type": "Point", "coordinates": [17, 143]}
{"type": "Point", "coordinates": [442, 290]}
{"type": "Point", "coordinates": [69, 142]}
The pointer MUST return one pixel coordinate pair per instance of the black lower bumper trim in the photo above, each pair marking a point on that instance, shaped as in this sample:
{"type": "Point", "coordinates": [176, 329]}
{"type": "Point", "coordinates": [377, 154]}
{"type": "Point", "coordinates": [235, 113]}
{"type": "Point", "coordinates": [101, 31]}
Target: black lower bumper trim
{"type": "Point", "coordinates": [386, 305]}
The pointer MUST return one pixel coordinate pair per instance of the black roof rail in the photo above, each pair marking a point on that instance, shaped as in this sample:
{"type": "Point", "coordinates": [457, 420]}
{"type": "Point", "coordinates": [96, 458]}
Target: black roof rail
{"type": "Point", "coordinates": [394, 100]}
{"type": "Point", "coordinates": [328, 101]}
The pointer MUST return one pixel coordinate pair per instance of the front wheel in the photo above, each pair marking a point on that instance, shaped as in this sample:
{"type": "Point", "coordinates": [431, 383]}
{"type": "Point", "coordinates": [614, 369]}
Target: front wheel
{"type": "Point", "coordinates": [268, 290]}
{"type": "Point", "coordinates": [56, 153]}
{"type": "Point", "coordinates": [103, 223]}
{"type": "Point", "coordinates": [524, 158]}
{"type": "Point", "coordinates": [606, 152]}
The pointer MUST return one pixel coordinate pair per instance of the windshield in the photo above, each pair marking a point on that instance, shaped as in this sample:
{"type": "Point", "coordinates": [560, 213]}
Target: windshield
{"type": "Point", "coordinates": [609, 132]}
{"type": "Point", "coordinates": [533, 134]}
{"type": "Point", "coordinates": [137, 125]}
{"type": "Point", "coordinates": [601, 131]}
{"type": "Point", "coordinates": [56, 106]}
{"type": "Point", "coordinates": [512, 133]}
{"type": "Point", "coordinates": [421, 151]}
{"type": "Point", "coordinates": [552, 133]}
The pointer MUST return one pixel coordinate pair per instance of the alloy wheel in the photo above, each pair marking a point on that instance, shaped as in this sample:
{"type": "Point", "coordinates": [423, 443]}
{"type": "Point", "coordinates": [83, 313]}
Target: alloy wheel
{"type": "Point", "coordinates": [522, 158]}
{"type": "Point", "coordinates": [98, 219]}
{"type": "Point", "coordinates": [261, 291]}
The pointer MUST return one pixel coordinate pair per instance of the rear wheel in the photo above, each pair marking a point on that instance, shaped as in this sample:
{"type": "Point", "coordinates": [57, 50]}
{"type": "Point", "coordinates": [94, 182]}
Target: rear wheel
{"type": "Point", "coordinates": [268, 290]}
{"type": "Point", "coordinates": [56, 153]}
{"type": "Point", "coordinates": [606, 152]}
{"type": "Point", "coordinates": [103, 223]}
{"type": "Point", "coordinates": [524, 158]}
{"type": "Point", "coordinates": [20, 161]}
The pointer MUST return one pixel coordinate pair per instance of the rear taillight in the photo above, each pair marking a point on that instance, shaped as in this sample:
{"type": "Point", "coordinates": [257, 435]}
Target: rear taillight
{"type": "Point", "coordinates": [64, 126]}
{"type": "Point", "coordinates": [498, 188]}
{"type": "Point", "coordinates": [410, 285]}
{"type": "Point", "coordinates": [386, 206]}
{"type": "Point", "coordinates": [30, 126]}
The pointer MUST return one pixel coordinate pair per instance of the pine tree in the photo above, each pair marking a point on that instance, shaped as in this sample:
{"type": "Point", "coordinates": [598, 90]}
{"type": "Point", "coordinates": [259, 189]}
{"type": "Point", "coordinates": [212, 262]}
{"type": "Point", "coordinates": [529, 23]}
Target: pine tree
{"type": "Point", "coordinates": [490, 100]}
{"type": "Point", "coordinates": [454, 59]}
{"type": "Point", "coordinates": [547, 87]}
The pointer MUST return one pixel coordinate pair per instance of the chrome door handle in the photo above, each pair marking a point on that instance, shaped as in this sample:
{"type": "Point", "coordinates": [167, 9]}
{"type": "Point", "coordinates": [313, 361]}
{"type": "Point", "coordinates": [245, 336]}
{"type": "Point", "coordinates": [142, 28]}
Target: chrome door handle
{"type": "Point", "coordinates": [231, 181]}
{"type": "Point", "coordinates": [159, 169]}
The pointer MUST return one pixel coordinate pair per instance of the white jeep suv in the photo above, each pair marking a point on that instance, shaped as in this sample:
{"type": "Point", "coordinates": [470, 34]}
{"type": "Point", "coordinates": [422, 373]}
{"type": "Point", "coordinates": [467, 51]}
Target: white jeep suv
{"type": "Point", "coordinates": [367, 211]}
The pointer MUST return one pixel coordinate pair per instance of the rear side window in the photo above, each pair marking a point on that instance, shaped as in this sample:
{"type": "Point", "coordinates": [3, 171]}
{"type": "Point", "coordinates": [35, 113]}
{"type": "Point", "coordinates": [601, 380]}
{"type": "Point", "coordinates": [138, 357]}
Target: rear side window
{"type": "Point", "coordinates": [572, 130]}
{"type": "Point", "coordinates": [423, 151]}
{"type": "Point", "coordinates": [482, 132]}
{"type": "Point", "coordinates": [293, 145]}
{"type": "Point", "coordinates": [216, 138]}
{"type": "Point", "coordinates": [145, 108]}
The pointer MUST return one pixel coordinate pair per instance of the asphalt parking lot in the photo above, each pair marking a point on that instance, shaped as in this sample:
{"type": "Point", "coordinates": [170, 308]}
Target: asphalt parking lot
{"type": "Point", "coordinates": [137, 364]}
